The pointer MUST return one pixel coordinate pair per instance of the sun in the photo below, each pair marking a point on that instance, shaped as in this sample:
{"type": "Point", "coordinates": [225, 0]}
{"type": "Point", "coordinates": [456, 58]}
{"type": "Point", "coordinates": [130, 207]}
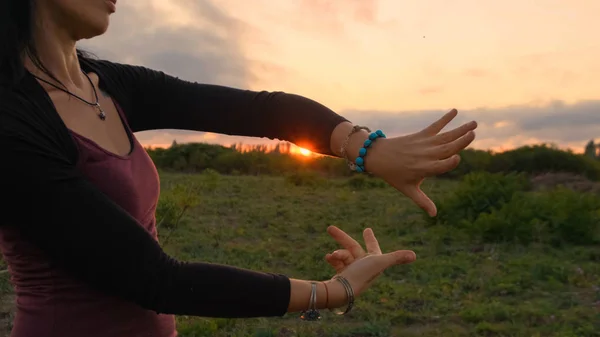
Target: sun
{"type": "Point", "coordinates": [304, 152]}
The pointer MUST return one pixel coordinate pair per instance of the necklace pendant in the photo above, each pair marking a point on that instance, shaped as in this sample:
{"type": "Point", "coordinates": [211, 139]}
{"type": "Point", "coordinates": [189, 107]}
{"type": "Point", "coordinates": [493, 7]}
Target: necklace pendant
{"type": "Point", "coordinates": [101, 113]}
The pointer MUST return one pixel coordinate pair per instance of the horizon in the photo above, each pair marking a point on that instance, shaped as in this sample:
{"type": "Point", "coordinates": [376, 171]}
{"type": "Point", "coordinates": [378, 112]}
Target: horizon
{"type": "Point", "coordinates": [292, 149]}
{"type": "Point", "coordinates": [525, 72]}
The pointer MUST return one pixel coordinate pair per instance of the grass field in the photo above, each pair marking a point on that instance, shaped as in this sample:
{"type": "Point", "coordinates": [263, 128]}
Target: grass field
{"type": "Point", "coordinates": [456, 288]}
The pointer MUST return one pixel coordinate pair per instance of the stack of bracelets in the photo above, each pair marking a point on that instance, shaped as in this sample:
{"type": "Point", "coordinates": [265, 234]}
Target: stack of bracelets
{"type": "Point", "coordinates": [359, 163]}
{"type": "Point", "coordinates": [312, 313]}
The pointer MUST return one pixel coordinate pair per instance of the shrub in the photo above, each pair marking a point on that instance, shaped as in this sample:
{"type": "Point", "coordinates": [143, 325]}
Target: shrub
{"type": "Point", "coordinates": [470, 161]}
{"type": "Point", "coordinates": [542, 159]}
{"type": "Point", "coordinates": [478, 193]}
{"type": "Point", "coordinates": [495, 208]}
{"type": "Point", "coordinates": [555, 217]}
{"type": "Point", "coordinates": [173, 203]}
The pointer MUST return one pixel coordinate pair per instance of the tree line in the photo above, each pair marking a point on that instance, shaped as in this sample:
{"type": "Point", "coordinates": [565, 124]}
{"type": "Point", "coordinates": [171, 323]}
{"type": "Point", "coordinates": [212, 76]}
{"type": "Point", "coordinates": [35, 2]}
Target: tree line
{"type": "Point", "coordinates": [278, 160]}
{"type": "Point", "coordinates": [592, 150]}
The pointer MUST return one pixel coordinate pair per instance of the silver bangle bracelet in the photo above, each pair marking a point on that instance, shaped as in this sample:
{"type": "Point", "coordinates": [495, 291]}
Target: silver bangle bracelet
{"type": "Point", "coordinates": [344, 151]}
{"type": "Point", "coordinates": [349, 294]}
{"type": "Point", "coordinates": [312, 314]}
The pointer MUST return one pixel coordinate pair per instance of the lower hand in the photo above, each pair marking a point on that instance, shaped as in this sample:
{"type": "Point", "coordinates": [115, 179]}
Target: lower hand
{"type": "Point", "coordinates": [362, 267]}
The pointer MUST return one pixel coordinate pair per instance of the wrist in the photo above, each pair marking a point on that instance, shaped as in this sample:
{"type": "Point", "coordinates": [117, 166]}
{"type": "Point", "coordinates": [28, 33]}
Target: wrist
{"type": "Point", "coordinates": [356, 140]}
{"type": "Point", "coordinates": [334, 295]}
{"type": "Point", "coordinates": [330, 294]}
{"type": "Point", "coordinates": [373, 160]}
{"type": "Point", "coordinates": [350, 140]}
{"type": "Point", "coordinates": [353, 144]}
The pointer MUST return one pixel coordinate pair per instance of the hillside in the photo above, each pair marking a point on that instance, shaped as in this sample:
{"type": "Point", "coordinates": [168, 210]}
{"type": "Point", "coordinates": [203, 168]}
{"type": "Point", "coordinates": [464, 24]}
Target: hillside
{"type": "Point", "coordinates": [464, 283]}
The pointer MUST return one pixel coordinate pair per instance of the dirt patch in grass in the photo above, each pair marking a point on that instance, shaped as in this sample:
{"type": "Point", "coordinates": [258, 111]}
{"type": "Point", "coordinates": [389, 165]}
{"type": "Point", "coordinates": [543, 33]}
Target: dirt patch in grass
{"type": "Point", "coordinates": [571, 181]}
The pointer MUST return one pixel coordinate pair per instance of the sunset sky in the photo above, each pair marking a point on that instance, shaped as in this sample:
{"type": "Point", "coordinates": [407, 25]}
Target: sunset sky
{"type": "Point", "coordinates": [527, 71]}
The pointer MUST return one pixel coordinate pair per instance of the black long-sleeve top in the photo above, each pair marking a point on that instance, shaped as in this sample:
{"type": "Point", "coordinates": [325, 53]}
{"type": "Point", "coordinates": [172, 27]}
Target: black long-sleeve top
{"type": "Point", "coordinates": [46, 198]}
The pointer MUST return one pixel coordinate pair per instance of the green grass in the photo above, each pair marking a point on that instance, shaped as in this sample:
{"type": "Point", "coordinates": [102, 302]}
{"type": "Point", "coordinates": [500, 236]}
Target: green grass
{"type": "Point", "coordinates": [455, 288]}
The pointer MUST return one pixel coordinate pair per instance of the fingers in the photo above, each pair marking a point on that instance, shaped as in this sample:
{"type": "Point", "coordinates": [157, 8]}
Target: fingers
{"type": "Point", "coordinates": [438, 125]}
{"type": "Point", "coordinates": [398, 257]}
{"type": "Point", "coordinates": [442, 166]}
{"type": "Point", "coordinates": [337, 265]}
{"type": "Point", "coordinates": [346, 241]}
{"type": "Point", "coordinates": [371, 242]}
{"type": "Point", "coordinates": [339, 259]}
{"type": "Point", "coordinates": [454, 134]}
{"type": "Point", "coordinates": [421, 199]}
{"type": "Point", "coordinates": [342, 255]}
{"type": "Point", "coordinates": [449, 149]}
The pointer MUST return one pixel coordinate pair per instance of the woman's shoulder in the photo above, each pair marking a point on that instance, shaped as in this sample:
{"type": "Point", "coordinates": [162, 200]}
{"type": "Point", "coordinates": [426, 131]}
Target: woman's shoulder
{"type": "Point", "coordinates": [21, 97]}
{"type": "Point", "coordinates": [112, 69]}
{"type": "Point", "coordinates": [15, 101]}
{"type": "Point", "coordinates": [26, 117]}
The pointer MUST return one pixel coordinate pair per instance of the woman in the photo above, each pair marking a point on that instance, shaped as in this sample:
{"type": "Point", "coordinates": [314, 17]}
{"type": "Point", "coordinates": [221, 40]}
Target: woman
{"type": "Point", "coordinates": [78, 231]}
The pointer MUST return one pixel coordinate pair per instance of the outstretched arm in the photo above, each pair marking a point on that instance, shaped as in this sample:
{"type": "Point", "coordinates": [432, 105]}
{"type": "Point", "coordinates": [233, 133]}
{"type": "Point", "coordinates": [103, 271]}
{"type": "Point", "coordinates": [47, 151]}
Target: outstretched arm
{"type": "Point", "coordinates": [161, 101]}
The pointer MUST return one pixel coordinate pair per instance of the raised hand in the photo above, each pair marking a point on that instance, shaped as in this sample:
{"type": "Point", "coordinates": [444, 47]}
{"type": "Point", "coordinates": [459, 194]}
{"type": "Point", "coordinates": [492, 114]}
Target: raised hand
{"type": "Point", "coordinates": [404, 162]}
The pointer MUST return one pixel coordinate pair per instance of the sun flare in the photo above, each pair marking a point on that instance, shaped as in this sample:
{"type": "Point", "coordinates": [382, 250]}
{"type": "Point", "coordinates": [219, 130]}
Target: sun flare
{"type": "Point", "coordinates": [304, 152]}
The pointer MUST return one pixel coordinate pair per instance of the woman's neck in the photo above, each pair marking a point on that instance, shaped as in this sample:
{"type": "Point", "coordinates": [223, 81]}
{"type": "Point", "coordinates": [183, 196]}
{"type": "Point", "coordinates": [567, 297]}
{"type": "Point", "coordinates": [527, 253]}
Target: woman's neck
{"type": "Point", "coordinates": [55, 48]}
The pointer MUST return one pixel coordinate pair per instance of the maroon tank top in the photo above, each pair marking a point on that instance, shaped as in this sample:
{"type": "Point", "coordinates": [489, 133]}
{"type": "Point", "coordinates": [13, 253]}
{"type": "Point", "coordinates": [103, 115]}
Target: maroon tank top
{"type": "Point", "coordinates": [52, 304]}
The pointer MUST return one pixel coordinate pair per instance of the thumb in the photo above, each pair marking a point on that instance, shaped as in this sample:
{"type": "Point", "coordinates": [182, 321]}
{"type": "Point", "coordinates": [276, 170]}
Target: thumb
{"type": "Point", "coordinates": [421, 199]}
{"type": "Point", "coordinates": [398, 257]}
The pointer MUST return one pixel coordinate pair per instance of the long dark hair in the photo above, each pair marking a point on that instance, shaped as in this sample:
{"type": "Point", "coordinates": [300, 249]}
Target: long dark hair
{"type": "Point", "coordinates": [17, 20]}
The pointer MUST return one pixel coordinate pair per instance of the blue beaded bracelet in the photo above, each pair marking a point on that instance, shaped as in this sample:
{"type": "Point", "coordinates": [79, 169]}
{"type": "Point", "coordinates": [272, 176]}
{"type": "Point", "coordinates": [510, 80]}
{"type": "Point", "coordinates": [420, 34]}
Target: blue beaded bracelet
{"type": "Point", "coordinates": [360, 160]}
